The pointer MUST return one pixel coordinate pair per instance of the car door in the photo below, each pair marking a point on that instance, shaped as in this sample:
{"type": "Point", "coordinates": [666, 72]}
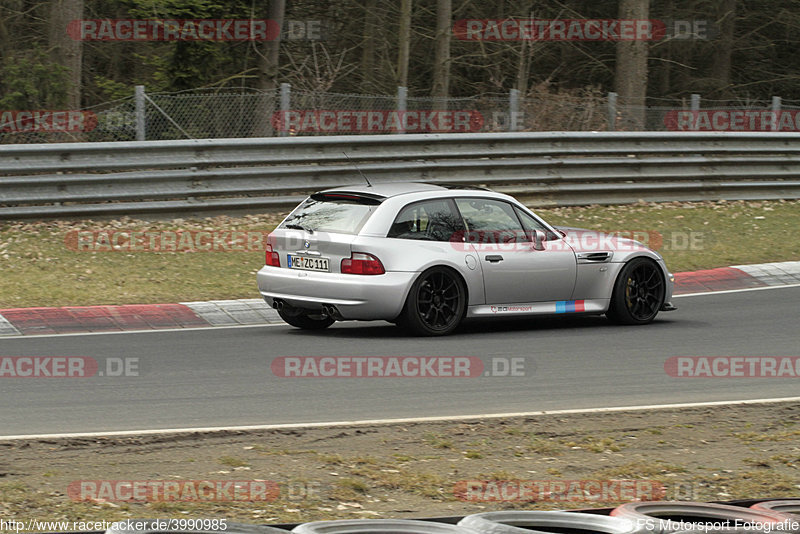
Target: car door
{"type": "Point", "coordinates": [430, 232]}
{"type": "Point", "coordinates": [513, 271]}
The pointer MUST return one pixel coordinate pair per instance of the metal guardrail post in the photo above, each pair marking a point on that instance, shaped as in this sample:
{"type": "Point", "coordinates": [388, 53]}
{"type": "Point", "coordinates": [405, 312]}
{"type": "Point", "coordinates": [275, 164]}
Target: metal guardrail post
{"type": "Point", "coordinates": [402, 106]}
{"type": "Point", "coordinates": [286, 99]}
{"type": "Point", "coordinates": [612, 111]}
{"type": "Point", "coordinates": [139, 100]}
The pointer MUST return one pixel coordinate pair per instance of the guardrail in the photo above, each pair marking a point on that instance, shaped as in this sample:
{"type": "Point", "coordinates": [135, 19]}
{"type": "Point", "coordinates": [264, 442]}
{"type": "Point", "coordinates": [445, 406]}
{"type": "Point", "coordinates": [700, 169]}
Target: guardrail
{"type": "Point", "coordinates": [546, 169]}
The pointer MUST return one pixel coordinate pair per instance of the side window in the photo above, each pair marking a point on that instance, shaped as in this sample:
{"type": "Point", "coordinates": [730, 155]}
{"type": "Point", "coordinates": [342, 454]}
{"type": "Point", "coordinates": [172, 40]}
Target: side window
{"type": "Point", "coordinates": [490, 221]}
{"type": "Point", "coordinates": [530, 225]}
{"type": "Point", "coordinates": [429, 220]}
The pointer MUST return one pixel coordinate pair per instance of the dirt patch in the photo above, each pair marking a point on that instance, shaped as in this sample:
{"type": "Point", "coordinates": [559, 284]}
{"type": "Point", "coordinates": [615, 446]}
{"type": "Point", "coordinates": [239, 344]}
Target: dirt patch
{"type": "Point", "coordinates": [414, 470]}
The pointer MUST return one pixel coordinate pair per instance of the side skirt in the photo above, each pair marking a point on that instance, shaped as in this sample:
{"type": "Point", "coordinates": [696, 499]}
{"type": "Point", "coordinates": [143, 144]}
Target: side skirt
{"type": "Point", "coordinates": [559, 307]}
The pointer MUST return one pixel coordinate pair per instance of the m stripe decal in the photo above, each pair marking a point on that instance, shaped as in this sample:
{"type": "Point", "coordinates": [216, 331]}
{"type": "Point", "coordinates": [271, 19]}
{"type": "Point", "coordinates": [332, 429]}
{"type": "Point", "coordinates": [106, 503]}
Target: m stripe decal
{"type": "Point", "coordinates": [570, 306]}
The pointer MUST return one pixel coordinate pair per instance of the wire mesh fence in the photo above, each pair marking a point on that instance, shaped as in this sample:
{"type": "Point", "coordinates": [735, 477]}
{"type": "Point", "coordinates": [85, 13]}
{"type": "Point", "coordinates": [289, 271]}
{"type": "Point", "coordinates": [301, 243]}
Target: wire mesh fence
{"type": "Point", "coordinates": [209, 114]}
{"type": "Point", "coordinates": [568, 113]}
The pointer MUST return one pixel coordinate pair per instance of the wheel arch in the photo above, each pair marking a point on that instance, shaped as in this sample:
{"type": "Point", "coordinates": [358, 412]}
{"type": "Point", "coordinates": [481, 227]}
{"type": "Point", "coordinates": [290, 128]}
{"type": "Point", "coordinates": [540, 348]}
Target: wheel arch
{"type": "Point", "coordinates": [656, 260]}
{"type": "Point", "coordinates": [614, 314]}
{"type": "Point", "coordinates": [446, 266]}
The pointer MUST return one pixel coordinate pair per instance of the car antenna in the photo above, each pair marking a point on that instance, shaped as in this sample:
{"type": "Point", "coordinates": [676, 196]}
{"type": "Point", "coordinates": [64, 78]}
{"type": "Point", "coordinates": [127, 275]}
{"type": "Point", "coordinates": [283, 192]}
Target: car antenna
{"type": "Point", "coordinates": [359, 170]}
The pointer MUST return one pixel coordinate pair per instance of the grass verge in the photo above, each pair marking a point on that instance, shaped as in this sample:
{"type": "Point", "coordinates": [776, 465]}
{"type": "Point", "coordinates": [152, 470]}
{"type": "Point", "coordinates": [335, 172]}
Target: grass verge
{"type": "Point", "coordinates": [39, 269]}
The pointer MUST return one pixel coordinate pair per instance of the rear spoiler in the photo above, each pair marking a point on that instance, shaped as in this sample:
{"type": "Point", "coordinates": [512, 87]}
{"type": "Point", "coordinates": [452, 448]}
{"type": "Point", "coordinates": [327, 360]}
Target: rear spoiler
{"type": "Point", "coordinates": [352, 196]}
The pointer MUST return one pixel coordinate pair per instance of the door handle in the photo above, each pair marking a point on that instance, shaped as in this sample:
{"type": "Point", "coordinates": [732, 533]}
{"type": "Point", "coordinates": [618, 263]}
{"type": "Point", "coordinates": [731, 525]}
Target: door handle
{"type": "Point", "coordinates": [494, 258]}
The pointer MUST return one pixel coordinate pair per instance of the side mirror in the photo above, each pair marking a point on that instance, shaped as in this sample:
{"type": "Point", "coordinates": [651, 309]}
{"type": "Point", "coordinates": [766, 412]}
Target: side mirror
{"type": "Point", "coordinates": [538, 240]}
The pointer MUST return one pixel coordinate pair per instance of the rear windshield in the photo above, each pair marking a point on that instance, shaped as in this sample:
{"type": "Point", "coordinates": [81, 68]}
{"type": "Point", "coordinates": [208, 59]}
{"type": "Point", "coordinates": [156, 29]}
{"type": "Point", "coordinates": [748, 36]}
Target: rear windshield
{"type": "Point", "coordinates": [338, 215]}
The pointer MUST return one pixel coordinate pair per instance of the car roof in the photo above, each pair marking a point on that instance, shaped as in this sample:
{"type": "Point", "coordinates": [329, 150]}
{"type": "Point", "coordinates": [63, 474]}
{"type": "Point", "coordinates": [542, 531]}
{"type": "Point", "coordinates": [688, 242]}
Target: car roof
{"type": "Point", "coordinates": [392, 189]}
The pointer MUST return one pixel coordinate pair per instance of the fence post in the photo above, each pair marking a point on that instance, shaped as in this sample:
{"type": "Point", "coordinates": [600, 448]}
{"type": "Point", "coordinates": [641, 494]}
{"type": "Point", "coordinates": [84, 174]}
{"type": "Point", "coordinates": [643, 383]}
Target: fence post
{"type": "Point", "coordinates": [402, 106]}
{"type": "Point", "coordinates": [286, 99]}
{"type": "Point", "coordinates": [513, 109]}
{"type": "Point", "coordinates": [776, 111]}
{"type": "Point", "coordinates": [139, 101]}
{"type": "Point", "coordinates": [695, 102]}
{"type": "Point", "coordinates": [612, 111]}
{"type": "Point", "coordinates": [694, 105]}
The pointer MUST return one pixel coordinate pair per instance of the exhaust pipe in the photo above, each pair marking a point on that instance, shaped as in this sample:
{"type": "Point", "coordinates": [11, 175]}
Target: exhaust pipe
{"type": "Point", "coordinates": [331, 311]}
{"type": "Point", "coordinates": [277, 304]}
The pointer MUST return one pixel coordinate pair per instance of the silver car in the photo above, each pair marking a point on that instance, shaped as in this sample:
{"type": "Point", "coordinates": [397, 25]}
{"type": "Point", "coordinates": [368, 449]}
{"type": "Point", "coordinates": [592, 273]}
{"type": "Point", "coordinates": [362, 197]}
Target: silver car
{"type": "Point", "coordinates": [426, 256]}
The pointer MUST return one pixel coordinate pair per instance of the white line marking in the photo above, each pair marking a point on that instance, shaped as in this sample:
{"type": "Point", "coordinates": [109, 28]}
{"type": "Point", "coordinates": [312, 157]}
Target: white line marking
{"type": "Point", "coordinates": [431, 419]}
{"type": "Point", "coordinates": [150, 331]}
{"type": "Point", "coordinates": [734, 291]}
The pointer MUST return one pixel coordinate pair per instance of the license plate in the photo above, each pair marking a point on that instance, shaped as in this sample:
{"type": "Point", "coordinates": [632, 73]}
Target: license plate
{"type": "Point", "coordinates": [309, 263]}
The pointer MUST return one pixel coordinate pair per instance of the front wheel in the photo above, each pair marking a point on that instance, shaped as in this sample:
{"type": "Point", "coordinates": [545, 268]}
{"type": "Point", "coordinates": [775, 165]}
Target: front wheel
{"type": "Point", "coordinates": [638, 293]}
{"type": "Point", "coordinates": [306, 320]}
{"type": "Point", "coordinates": [435, 304]}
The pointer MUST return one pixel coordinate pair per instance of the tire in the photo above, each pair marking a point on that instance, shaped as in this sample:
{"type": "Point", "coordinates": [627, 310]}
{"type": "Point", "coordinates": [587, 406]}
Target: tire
{"type": "Point", "coordinates": [305, 320]}
{"type": "Point", "coordinates": [435, 304]}
{"type": "Point", "coordinates": [545, 522]}
{"type": "Point", "coordinates": [378, 526]}
{"type": "Point", "coordinates": [789, 507]}
{"type": "Point", "coordinates": [693, 512]}
{"type": "Point", "coordinates": [638, 293]}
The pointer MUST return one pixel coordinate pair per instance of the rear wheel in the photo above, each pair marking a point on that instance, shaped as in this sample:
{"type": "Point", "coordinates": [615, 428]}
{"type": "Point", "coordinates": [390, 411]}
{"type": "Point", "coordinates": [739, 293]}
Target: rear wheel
{"type": "Point", "coordinates": [435, 304]}
{"type": "Point", "coordinates": [306, 320]}
{"type": "Point", "coordinates": [638, 293]}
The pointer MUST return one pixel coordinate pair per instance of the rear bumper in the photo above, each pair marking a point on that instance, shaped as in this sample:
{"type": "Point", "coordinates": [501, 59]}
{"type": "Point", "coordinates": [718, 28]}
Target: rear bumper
{"type": "Point", "coordinates": [356, 297]}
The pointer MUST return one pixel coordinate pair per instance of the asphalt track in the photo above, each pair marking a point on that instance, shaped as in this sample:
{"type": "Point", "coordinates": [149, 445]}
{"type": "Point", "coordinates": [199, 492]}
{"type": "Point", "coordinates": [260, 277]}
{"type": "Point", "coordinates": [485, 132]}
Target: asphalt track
{"type": "Point", "coordinates": [221, 377]}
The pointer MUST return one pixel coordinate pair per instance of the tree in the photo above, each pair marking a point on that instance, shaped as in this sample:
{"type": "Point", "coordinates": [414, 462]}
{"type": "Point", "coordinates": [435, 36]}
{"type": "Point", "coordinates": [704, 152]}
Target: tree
{"type": "Point", "coordinates": [723, 50]}
{"type": "Point", "coordinates": [524, 64]}
{"type": "Point", "coordinates": [369, 37]}
{"type": "Point", "coordinates": [749, 55]}
{"type": "Point", "coordinates": [269, 58]}
{"type": "Point", "coordinates": [66, 51]}
{"type": "Point", "coordinates": [441, 63]}
{"type": "Point", "coordinates": [404, 43]}
{"type": "Point", "coordinates": [630, 80]}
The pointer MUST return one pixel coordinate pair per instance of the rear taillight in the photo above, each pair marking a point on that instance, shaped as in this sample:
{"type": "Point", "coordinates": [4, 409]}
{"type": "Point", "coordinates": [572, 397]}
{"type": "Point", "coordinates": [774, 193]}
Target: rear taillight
{"type": "Point", "coordinates": [272, 258]}
{"type": "Point", "coordinates": [361, 263]}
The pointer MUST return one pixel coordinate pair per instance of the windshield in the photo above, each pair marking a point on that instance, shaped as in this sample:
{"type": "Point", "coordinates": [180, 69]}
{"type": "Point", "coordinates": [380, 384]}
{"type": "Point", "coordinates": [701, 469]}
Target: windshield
{"type": "Point", "coordinates": [344, 216]}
